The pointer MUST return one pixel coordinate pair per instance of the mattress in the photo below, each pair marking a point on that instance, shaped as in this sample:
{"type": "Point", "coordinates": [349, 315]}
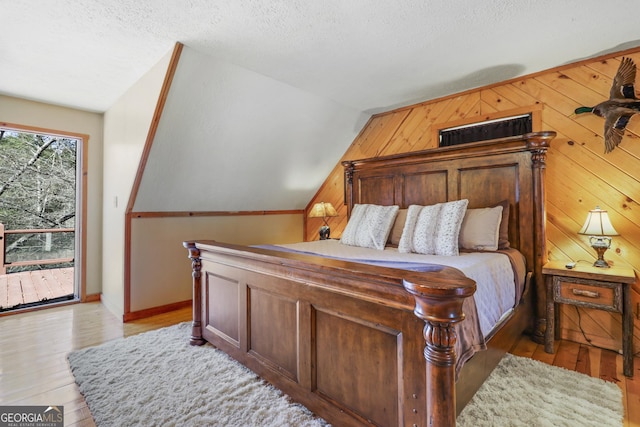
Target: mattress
{"type": "Point", "coordinates": [499, 279]}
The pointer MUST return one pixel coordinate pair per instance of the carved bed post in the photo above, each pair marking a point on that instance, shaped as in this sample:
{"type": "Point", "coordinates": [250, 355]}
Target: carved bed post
{"type": "Point", "coordinates": [538, 143]}
{"type": "Point", "coordinates": [348, 185]}
{"type": "Point", "coordinates": [440, 313]}
{"type": "Point", "coordinates": [196, 265]}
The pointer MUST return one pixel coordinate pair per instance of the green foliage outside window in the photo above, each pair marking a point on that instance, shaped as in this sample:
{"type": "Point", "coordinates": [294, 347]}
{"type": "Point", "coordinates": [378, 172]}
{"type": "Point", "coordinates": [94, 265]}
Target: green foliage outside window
{"type": "Point", "coordinates": [37, 191]}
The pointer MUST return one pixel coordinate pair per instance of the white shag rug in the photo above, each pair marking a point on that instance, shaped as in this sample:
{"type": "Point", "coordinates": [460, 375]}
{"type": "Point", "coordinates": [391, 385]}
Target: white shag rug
{"type": "Point", "coordinates": [158, 379]}
{"type": "Point", "coordinates": [523, 392]}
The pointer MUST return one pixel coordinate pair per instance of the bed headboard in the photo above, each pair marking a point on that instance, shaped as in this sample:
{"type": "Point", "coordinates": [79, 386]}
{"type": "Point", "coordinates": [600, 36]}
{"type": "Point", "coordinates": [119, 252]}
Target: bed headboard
{"type": "Point", "coordinates": [485, 173]}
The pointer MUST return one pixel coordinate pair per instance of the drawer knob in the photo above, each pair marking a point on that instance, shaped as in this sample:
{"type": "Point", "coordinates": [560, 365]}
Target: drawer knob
{"type": "Point", "coordinates": [584, 293]}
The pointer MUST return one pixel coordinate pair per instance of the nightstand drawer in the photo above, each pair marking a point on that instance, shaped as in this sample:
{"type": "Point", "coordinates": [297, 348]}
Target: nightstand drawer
{"type": "Point", "coordinates": [600, 295]}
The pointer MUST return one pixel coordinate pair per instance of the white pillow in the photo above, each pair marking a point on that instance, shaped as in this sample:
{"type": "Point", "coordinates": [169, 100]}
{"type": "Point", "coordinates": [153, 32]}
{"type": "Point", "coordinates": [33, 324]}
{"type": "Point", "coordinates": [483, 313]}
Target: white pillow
{"type": "Point", "coordinates": [369, 226]}
{"type": "Point", "coordinates": [480, 229]}
{"type": "Point", "coordinates": [433, 229]}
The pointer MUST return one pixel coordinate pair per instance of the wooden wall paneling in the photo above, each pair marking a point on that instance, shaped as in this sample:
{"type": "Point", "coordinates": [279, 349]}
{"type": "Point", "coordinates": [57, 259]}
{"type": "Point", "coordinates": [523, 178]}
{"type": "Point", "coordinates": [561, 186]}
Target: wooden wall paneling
{"type": "Point", "coordinates": [492, 99]}
{"type": "Point", "coordinates": [599, 168]}
{"type": "Point", "coordinates": [606, 69]}
{"type": "Point", "coordinates": [579, 185]}
{"type": "Point", "coordinates": [432, 114]}
{"type": "Point", "coordinates": [631, 140]}
{"type": "Point", "coordinates": [555, 253]}
{"type": "Point", "coordinates": [383, 128]}
{"type": "Point", "coordinates": [580, 176]}
{"type": "Point", "coordinates": [592, 84]}
{"type": "Point", "coordinates": [530, 87]}
{"type": "Point", "coordinates": [514, 95]}
{"type": "Point", "coordinates": [468, 106]}
{"type": "Point", "coordinates": [410, 134]}
{"type": "Point", "coordinates": [415, 134]}
{"type": "Point", "coordinates": [487, 108]}
{"type": "Point", "coordinates": [568, 244]}
{"type": "Point", "coordinates": [572, 216]}
{"type": "Point", "coordinates": [560, 92]}
{"type": "Point", "coordinates": [455, 110]}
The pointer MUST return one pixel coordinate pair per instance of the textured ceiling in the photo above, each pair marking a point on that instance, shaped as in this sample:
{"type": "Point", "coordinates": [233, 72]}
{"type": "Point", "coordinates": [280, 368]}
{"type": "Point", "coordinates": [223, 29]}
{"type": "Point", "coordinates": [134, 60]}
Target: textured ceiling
{"type": "Point", "coordinates": [368, 55]}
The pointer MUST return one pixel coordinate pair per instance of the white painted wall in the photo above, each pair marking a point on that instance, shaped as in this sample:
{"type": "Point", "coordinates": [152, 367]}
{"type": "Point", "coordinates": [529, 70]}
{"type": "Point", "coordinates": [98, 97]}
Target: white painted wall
{"type": "Point", "coordinates": [160, 268]}
{"type": "Point", "coordinates": [126, 125]}
{"type": "Point", "coordinates": [40, 115]}
{"type": "Point", "coordinates": [231, 139]}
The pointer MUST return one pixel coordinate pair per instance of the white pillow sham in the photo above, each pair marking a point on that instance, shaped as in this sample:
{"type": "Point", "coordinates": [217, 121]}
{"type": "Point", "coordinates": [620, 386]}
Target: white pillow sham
{"type": "Point", "coordinates": [369, 226]}
{"type": "Point", "coordinates": [480, 229]}
{"type": "Point", "coordinates": [433, 229]}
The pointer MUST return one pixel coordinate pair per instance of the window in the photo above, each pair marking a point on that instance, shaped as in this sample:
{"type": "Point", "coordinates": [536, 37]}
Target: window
{"type": "Point", "coordinates": [491, 129]}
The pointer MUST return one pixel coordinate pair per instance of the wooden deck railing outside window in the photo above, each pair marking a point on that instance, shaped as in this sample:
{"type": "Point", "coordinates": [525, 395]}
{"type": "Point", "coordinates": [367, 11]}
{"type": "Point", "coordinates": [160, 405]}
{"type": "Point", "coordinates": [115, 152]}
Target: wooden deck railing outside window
{"type": "Point", "coordinates": [3, 261]}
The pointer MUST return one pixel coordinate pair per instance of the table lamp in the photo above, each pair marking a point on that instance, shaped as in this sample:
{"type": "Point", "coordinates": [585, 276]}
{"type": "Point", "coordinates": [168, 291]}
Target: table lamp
{"type": "Point", "coordinates": [598, 227]}
{"type": "Point", "coordinates": [323, 210]}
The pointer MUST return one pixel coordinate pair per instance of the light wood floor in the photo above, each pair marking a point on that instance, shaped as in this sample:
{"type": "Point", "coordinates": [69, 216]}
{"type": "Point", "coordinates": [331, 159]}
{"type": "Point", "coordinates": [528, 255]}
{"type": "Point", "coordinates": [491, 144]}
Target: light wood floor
{"type": "Point", "coordinates": [34, 345]}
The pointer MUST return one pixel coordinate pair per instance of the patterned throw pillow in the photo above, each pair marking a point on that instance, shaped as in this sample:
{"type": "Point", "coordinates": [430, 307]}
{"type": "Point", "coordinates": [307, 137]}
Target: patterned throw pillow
{"type": "Point", "coordinates": [433, 229]}
{"type": "Point", "coordinates": [369, 226]}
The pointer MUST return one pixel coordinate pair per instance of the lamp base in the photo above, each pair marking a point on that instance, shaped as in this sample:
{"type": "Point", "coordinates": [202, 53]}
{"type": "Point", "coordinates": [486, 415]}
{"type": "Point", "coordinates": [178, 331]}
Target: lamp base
{"type": "Point", "coordinates": [600, 245]}
{"type": "Point", "coordinates": [324, 232]}
{"type": "Point", "coordinates": [601, 263]}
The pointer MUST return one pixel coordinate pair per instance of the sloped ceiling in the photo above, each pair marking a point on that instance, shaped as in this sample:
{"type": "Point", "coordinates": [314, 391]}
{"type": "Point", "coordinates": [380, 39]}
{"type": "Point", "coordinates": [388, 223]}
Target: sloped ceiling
{"type": "Point", "coordinates": [230, 139]}
{"type": "Point", "coordinates": [350, 58]}
{"type": "Point", "coordinates": [367, 55]}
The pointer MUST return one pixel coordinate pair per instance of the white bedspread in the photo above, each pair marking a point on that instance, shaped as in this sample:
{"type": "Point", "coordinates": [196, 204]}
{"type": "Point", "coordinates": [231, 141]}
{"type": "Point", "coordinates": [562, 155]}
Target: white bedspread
{"type": "Point", "coordinates": [492, 272]}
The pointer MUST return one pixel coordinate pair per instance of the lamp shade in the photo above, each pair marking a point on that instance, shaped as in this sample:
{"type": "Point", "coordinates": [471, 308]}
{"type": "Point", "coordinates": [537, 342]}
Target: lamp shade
{"type": "Point", "coordinates": [322, 210]}
{"type": "Point", "coordinates": [598, 224]}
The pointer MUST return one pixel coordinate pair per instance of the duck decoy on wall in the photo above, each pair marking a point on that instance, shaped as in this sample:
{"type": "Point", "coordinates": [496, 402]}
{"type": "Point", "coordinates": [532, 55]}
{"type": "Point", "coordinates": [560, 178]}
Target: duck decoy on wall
{"type": "Point", "coordinates": [620, 107]}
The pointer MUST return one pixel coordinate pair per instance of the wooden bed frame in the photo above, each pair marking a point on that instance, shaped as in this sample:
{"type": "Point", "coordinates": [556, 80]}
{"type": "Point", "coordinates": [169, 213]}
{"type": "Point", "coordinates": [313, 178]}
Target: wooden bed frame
{"type": "Point", "coordinates": [366, 345]}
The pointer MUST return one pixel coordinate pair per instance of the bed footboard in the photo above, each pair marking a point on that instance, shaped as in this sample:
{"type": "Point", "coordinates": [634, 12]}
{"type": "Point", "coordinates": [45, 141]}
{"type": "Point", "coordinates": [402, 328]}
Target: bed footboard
{"type": "Point", "coordinates": [346, 340]}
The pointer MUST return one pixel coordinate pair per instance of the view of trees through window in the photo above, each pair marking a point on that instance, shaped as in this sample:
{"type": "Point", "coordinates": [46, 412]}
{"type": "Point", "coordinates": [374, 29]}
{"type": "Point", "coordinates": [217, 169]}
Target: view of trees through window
{"type": "Point", "coordinates": [37, 192]}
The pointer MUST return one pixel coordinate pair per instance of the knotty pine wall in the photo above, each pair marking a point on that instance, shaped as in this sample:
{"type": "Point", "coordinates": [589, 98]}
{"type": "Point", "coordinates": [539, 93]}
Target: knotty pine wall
{"type": "Point", "coordinates": [579, 175]}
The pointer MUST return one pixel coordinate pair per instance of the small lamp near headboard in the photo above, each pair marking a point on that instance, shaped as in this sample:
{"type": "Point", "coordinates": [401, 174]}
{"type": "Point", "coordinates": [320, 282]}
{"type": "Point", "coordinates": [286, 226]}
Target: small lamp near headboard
{"type": "Point", "coordinates": [598, 227]}
{"type": "Point", "coordinates": [323, 210]}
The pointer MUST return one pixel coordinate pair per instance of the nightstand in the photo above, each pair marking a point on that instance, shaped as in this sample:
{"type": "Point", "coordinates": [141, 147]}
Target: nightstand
{"type": "Point", "coordinates": [588, 286]}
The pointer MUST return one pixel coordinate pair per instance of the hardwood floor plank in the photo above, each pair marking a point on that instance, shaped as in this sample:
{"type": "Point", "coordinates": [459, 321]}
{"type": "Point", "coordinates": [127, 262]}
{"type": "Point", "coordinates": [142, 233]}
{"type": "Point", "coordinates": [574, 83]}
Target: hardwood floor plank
{"type": "Point", "coordinates": [608, 370]}
{"type": "Point", "coordinates": [567, 355]}
{"type": "Point", "coordinates": [633, 399]}
{"type": "Point", "coordinates": [583, 364]}
{"type": "Point", "coordinates": [542, 356]}
{"type": "Point", "coordinates": [595, 354]}
{"type": "Point", "coordinates": [524, 348]}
